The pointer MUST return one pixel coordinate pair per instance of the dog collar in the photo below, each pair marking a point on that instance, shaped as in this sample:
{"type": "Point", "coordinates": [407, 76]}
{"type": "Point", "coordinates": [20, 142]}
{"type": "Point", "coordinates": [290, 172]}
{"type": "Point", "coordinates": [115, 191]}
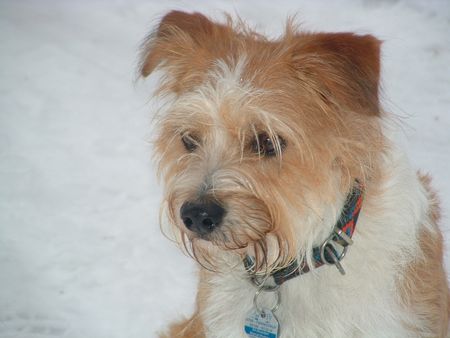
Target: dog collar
{"type": "Point", "coordinates": [330, 252]}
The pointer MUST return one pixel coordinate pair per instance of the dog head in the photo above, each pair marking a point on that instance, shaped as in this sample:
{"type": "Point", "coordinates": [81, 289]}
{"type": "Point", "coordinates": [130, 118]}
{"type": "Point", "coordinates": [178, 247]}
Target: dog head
{"type": "Point", "coordinates": [262, 138]}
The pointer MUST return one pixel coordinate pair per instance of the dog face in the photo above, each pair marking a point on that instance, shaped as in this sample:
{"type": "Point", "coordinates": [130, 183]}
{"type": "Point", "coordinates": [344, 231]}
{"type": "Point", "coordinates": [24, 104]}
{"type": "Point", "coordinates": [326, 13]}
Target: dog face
{"type": "Point", "coordinates": [262, 139]}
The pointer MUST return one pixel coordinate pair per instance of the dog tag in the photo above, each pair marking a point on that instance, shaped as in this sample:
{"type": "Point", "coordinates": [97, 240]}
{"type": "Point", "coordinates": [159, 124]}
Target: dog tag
{"type": "Point", "coordinates": [261, 324]}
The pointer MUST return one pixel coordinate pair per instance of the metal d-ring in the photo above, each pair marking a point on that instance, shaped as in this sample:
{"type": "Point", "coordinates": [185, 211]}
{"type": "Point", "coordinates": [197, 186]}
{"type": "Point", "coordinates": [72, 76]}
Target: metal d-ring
{"type": "Point", "coordinates": [336, 258]}
{"type": "Point", "coordinates": [323, 248]}
{"type": "Point", "coordinates": [275, 307]}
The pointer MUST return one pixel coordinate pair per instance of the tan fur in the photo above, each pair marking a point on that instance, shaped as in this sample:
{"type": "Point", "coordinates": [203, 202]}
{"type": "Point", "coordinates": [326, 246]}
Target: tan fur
{"type": "Point", "coordinates": [190, 328]}
{"type": "Point", "coordinates": [423, 286]}
{"type": "Point", "coordinates": [316, 91]}
{"type": "Point", "coordinates": [320, 87]}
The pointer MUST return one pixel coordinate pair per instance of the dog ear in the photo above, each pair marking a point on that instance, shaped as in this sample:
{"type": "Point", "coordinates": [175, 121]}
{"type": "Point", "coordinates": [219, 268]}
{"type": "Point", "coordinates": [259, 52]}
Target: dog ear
{"type": "Point", "coordinates": [345, 66]}
{"type": "Point", "coordinates": [177, 38]}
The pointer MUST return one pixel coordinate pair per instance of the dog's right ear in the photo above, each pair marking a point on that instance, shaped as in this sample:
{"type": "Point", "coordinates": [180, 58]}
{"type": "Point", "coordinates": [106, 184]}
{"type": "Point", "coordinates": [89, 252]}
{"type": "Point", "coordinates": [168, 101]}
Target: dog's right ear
{"type": "Point", "coordinates": [177, 38]}
{"type": "Point", "coordinates": [184, 45]}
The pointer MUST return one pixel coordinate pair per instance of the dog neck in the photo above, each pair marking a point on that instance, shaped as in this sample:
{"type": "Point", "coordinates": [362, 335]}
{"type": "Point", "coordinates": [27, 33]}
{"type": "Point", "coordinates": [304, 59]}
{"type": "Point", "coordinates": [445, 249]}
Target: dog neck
{"type": "Point", "coordinates": [330, 252]}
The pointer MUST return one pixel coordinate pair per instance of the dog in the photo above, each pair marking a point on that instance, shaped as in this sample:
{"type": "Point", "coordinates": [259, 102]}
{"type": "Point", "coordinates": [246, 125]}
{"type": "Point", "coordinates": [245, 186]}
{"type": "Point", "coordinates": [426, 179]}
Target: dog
{"type": "Point", "coordinates": [305, 218]}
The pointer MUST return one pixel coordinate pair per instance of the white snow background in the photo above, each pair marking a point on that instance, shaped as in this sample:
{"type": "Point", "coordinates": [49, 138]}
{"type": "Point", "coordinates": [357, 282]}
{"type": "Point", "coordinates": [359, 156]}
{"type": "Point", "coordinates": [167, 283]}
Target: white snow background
{"type": "Point", "coordinates": [81, 253]}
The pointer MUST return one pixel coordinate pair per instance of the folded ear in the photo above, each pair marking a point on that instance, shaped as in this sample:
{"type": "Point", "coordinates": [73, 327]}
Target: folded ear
{"type": "Point", "coordinates": [178, 37]}
{"type": "Point", "coordinates": [344, 66]}
{"type": "Point", "coordinates": [185, 46]}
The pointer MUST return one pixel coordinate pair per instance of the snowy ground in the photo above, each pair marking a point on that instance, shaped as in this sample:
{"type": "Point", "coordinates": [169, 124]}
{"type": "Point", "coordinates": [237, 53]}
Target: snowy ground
{"type": "Point", "coordinates": [81, 254]}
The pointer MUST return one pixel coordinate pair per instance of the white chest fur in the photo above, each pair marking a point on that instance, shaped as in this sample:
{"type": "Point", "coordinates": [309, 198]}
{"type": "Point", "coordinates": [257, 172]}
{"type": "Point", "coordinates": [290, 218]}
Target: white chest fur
{"type": "Point", "coordinates": [323, 303]}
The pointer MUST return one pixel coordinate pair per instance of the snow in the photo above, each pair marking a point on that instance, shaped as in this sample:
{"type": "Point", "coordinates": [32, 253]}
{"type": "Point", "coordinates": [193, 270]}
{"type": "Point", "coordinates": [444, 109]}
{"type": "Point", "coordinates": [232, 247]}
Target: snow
{"type": "Point", "coordinates": [81, 254]}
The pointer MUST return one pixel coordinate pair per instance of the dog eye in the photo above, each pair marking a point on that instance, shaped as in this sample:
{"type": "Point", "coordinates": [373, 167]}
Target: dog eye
{"type": "Point", "coordinates": [265, 146]}
{"type": "Point", "coordinates": [189, 142]}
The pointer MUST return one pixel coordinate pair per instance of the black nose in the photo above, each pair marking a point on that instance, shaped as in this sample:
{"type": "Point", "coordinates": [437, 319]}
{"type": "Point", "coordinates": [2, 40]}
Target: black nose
{"type": "Point", "coordinates": [201, 217]}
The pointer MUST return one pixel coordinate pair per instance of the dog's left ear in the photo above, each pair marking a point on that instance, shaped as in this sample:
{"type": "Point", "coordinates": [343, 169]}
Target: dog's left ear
{"type": "Point", "coordinates": [344, 66]}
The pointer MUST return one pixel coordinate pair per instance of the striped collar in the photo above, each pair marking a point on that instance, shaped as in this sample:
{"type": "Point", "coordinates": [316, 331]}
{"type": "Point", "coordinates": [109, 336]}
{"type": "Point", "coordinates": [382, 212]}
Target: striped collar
{"type": "Point", "coordinates": [330, 252]}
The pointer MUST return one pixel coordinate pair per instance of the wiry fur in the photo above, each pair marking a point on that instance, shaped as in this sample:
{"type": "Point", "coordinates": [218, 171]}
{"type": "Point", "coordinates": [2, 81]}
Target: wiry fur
{"type": "Point", "coordinates": [318, 92]}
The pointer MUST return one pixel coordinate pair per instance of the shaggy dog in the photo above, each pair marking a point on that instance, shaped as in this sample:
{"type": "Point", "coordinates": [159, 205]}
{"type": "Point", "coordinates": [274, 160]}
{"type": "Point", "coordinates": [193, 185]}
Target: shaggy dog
{"type": "Point", "coordinates": [280, 181]}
